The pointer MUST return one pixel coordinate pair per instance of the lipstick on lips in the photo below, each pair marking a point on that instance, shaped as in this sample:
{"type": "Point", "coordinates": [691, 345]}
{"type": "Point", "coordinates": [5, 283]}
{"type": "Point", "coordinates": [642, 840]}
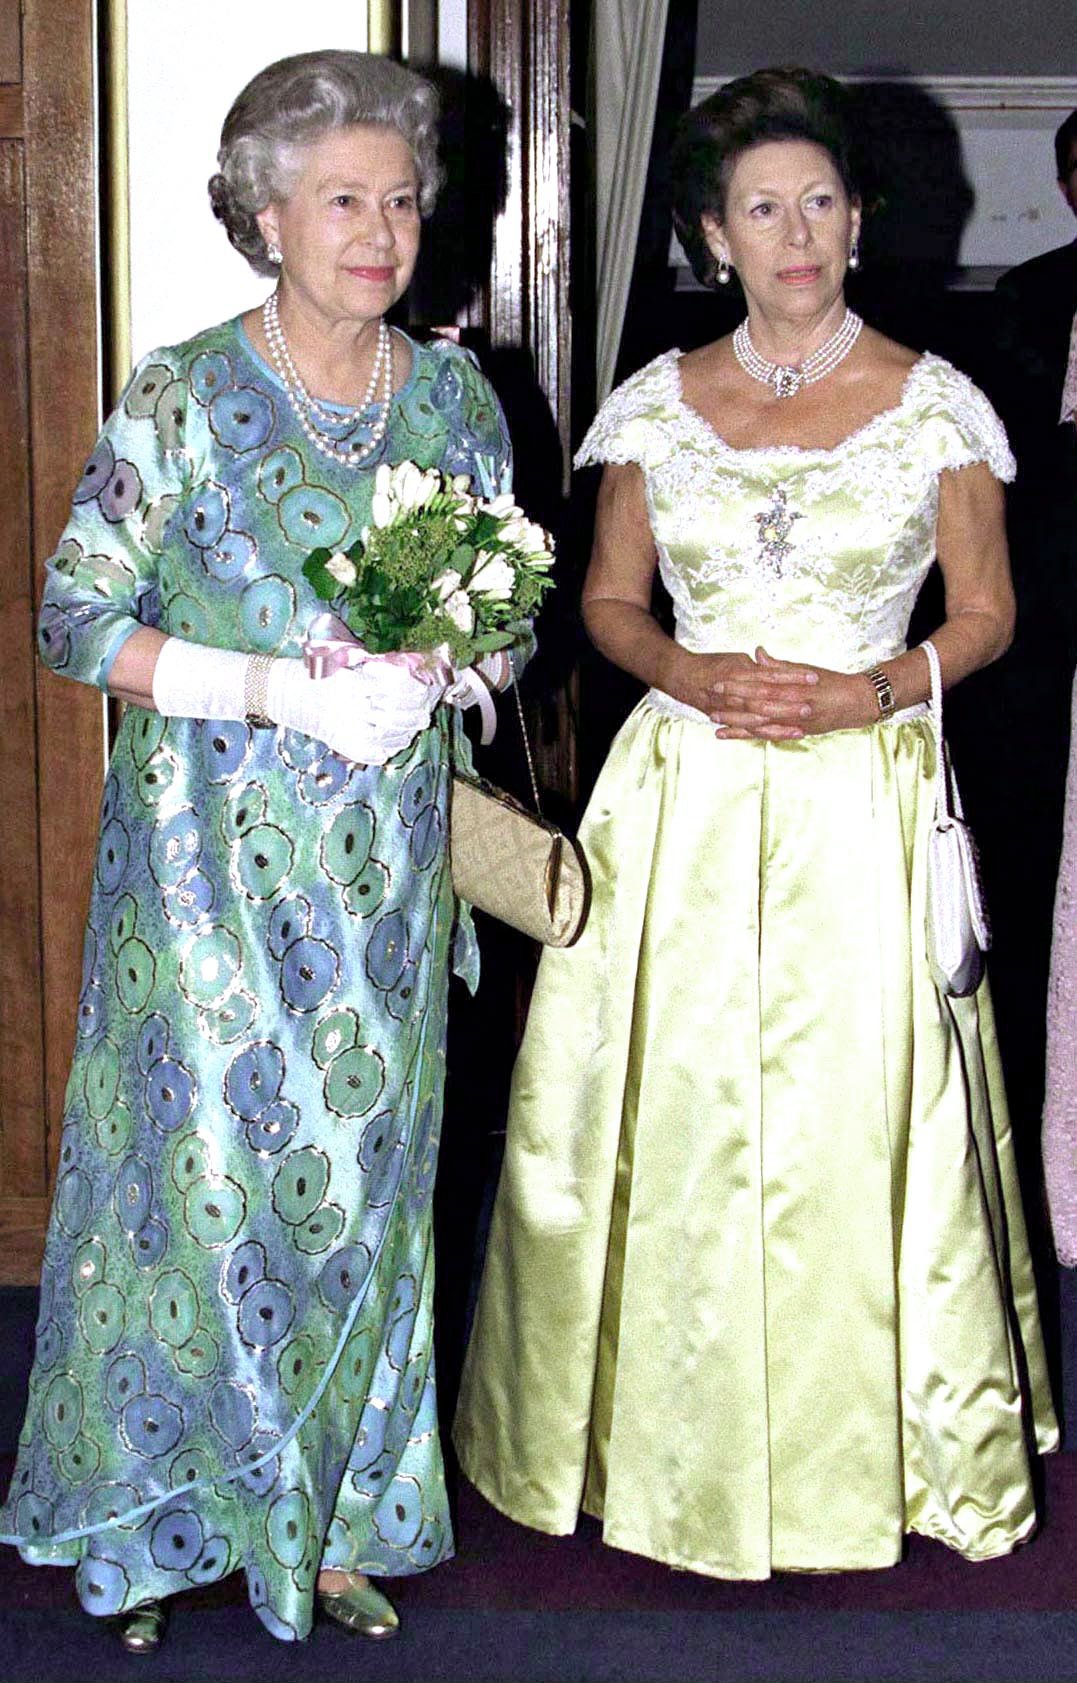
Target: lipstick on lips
{"type": "Point", "coordinates": [800, 276]}
{"type": "Point", "coordinates": [371, 271]}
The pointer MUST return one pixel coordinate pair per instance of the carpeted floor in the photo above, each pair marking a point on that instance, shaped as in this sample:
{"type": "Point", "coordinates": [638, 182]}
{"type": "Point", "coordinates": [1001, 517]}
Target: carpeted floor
{"type": "Point", "coordinates": [518, 1607]}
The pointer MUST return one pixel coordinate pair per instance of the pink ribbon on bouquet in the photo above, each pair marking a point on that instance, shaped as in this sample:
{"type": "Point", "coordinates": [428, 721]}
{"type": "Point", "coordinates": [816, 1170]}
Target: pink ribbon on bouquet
{"type": "Point", "coordinates": [329, 646]}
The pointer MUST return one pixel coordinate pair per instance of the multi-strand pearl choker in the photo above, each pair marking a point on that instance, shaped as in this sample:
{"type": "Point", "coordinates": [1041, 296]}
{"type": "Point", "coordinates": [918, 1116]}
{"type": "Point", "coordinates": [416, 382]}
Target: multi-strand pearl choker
{"type": "Point", "coordinates": [311, 415]}
{"type": "Point", "coordinates": [786, 378]}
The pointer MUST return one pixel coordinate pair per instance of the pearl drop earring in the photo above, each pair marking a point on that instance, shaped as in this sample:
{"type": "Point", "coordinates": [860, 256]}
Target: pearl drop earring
{"type": "Point", "coordinates": [274, 253]}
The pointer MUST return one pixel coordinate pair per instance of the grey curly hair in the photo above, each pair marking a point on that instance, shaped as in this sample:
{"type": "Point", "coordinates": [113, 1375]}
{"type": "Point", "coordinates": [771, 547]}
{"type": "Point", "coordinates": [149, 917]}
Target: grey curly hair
{"type": "Point", "coordinates": [296, 101]}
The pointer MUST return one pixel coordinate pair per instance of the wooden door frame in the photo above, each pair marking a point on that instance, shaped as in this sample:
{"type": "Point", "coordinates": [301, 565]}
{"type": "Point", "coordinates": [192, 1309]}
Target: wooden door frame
{"type": "Point", "coordinates": [49, 117]}
{"type": "Point", "coordinates": [521, 47]}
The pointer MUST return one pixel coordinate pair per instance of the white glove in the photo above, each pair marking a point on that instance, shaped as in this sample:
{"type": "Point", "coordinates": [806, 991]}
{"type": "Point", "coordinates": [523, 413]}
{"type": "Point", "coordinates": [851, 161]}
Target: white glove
{"type": "Point", "coordinates": [367, 713]}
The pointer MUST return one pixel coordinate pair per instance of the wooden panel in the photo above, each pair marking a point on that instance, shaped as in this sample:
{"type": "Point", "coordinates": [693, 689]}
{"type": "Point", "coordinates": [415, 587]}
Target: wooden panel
{"type": "Point", "coordinates": [523, 48]}
{"type": "Point", "coordinates": [549, 209]}
{"type": "Point", "coordinates": [11, 116]}
{"type": "Point", "coordinates": [496, 50]}
{"type": "Point", "coordinates": [422, 16]}
{"type": "Point", "coordinates": [10, 42]}
{"type": "Point", "coordinates": [22, 1168]}
{"type": "Point", "coordinates": [60, 183]}
{"type": "Point", "coordinates": [22, 1239]}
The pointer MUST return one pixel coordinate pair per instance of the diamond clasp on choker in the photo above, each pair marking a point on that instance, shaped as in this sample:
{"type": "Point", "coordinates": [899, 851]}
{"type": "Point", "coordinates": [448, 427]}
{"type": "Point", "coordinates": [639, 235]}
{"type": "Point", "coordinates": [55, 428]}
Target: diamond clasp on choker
{"type": "Point", "coordinates": [786, 378]}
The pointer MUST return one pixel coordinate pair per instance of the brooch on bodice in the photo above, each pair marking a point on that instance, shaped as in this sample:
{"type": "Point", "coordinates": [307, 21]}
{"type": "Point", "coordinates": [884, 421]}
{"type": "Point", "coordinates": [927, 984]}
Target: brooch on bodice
{"type": "Point", "coordinates": [775, 524]}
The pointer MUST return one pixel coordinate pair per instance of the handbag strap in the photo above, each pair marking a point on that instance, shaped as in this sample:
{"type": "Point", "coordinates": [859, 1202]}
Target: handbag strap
{"type": "Point", "coordinates": [523, 733]}
{"type": "Point", "coordinates": [946, 792]}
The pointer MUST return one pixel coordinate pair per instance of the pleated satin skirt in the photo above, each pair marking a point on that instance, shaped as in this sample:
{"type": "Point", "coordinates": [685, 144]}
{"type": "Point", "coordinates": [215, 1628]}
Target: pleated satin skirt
{"type": "Point", "coordinates": [757, 1291]}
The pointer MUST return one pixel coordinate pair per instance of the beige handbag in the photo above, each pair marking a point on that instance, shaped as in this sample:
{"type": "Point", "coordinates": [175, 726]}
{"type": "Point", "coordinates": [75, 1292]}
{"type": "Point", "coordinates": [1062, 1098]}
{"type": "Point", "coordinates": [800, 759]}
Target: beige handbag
{"type": "Point", "coordinates": [514, 864]}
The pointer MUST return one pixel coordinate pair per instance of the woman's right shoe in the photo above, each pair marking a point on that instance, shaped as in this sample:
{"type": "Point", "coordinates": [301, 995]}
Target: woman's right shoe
{"type": "Point", "coordinates": [142, 1628]}
{"type": "Point", "coordinates": [362, 1609]}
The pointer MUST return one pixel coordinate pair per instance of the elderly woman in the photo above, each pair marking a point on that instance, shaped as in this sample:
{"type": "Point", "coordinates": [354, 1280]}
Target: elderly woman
{"type": "Point", "coordinates": [234, 1365]}
{"type": "Point", "coordinates": [758, 1293]}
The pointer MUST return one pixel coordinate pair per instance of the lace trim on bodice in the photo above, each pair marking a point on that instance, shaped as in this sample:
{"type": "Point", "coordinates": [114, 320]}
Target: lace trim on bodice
{"type": "Point", "coordinates": [648, 413]}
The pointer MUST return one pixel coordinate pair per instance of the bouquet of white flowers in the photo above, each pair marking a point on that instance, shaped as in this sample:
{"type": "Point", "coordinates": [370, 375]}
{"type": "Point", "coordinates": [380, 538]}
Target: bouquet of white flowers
{"type": "Point", "coordinates": [438, 569]}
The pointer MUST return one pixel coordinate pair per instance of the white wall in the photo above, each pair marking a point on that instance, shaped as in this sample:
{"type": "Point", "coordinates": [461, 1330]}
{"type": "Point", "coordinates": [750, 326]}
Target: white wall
{"type": "Point", "coordinates": [186, 63]}
{"type": "Point", "coordinates": [452, 34]}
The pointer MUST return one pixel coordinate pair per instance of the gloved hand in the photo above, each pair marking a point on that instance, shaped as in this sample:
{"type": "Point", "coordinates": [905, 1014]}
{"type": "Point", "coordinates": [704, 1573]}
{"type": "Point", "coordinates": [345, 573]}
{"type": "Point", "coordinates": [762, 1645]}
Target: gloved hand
{"type": "Point", "coordinates": [367, 713]}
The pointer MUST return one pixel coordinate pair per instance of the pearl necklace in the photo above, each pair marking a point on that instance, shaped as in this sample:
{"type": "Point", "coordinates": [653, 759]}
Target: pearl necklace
{"type": "Point", "coordinates": [309, 412]}
{"type": "Point", "coordinates": [786, 378]}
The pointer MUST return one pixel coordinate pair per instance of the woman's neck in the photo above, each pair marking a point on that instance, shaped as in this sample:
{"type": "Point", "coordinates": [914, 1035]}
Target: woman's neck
{"type": "Point", "coordinates": [787, 342]}
{"type": "Point", "coordinates": [333, 356]}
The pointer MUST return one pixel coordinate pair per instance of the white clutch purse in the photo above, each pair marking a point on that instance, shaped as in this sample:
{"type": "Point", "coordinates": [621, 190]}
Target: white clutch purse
{"type": "Point", "coordinates": [958, 928]}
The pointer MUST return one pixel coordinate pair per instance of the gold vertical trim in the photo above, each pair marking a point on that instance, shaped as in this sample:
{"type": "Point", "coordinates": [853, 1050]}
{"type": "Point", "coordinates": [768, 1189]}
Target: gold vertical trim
{"type": "Point", "coordinates": [383, 26]}
{"type": "Point", "coordinates": [116, 254]}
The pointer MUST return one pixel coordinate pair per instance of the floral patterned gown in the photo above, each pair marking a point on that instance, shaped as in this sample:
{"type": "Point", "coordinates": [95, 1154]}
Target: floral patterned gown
{"type": "Point", "coordinates": [757, 1291]}
{"type": "Point", "coordinates": [234, 1364]}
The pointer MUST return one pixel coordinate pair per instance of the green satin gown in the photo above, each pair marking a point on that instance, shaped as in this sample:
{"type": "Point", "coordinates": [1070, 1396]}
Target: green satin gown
{"type": "Point", "coordinates": [758, 1291]}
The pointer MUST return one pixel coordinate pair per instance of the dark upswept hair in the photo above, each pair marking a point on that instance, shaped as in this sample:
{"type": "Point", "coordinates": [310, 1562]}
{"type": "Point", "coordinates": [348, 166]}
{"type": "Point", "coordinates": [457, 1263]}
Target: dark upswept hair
{"type": "Point", "coordinates": [777, 104]}
{"type": "Point", "coordinates": [1064, 140]}
{"type": "Point", "coordinates": [296, 101]}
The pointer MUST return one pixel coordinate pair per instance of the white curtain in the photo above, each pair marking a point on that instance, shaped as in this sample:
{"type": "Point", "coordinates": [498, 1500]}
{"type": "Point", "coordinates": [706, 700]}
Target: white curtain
{"type": "Point", "coordinates": [628, 39]}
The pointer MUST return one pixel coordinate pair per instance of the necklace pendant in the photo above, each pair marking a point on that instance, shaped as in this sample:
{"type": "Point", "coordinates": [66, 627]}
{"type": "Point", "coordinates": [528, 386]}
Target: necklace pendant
{"type": "Point", "coordinates": [786, 380]}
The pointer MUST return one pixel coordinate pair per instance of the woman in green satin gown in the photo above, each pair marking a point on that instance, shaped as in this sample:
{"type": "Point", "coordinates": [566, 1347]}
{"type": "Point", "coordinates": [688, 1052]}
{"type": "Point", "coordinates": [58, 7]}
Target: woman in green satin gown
{"type": "Point", "coordinates": [758, 1292]}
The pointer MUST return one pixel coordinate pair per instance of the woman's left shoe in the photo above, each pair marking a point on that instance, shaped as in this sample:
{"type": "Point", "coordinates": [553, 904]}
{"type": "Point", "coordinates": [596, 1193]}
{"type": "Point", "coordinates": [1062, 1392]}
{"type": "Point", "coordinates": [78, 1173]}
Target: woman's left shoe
{"type": "Point", "coordinates": [142, 1628]}
{"type": "Point", "coordinates": [362, 1609]}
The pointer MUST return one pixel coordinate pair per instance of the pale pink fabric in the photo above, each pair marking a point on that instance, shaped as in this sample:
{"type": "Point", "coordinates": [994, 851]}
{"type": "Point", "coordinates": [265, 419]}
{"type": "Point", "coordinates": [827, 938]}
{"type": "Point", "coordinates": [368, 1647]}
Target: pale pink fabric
{"type": "Point", "coordinates": [1060, 1109]}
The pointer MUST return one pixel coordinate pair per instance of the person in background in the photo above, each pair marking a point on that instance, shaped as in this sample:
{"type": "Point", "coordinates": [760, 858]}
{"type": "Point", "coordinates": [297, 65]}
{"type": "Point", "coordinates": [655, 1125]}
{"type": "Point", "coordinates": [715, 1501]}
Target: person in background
{"type": "Point", "coordinates": [1036, 303]}
{"type": "Point", "coordinates": [234, 1365]}
{"type": "Point", "coordinates": [1060, 1106]}
{"type": "Point", "coordinates": [757, 1292]}
{"type": "Point", "coordinates": [1034, 384]}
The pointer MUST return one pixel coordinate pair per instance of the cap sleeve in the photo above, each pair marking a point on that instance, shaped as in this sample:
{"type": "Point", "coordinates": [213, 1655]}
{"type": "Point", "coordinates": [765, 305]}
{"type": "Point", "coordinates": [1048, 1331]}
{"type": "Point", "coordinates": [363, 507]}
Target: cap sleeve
{"type": "Point", "coordinates": [628, 425]}
{"type": "Point", "coordinates": [959, 426]}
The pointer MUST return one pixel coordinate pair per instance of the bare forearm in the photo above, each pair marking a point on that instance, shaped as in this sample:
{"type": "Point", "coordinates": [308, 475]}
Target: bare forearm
{"type": "Point", "coordinates": [630, 636]}
{"type": "Point", "coordinates": [131, 677]}
{"type": "Point", "coordinates": [966, 641]}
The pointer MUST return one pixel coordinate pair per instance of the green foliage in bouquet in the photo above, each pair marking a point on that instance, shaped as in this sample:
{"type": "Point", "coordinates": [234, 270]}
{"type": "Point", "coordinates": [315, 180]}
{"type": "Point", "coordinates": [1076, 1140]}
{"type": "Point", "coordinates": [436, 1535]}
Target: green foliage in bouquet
{"type": "Point", "coordinates": [436, 569]}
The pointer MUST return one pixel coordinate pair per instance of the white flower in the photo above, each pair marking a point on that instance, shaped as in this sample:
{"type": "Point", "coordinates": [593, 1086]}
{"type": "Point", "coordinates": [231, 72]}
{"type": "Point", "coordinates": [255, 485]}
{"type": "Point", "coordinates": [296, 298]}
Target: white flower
{"type": "Point", "coordinates": [461, 484]}
{"type": "Point", "coordinates": [383, 504]}
{"type": "Point", "coordinates": [382, 509]}
{"type": "Point", "coordinates": [503, 507]}
{"type": "Point", "coordinates": [460, 611]}
{"type": "Point", "coordinates": [344, 571]}
{"type": "Point", "coordinates": [525, 536]}
{"type": "Point", "coordinates": [446, 584]}
{"type": "Point", "coordinates": [492, 576]}
{"type": "Point", "coordinates": [463, 512]}
{"type": "Point", "coordinates": [412, 488]}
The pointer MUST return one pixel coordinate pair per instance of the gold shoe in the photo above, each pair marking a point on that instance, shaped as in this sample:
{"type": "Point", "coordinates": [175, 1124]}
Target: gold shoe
{"type": "Point", "coordinates": [142, 1628]}
{"type": "Point", "coordinates": [362, 1609]}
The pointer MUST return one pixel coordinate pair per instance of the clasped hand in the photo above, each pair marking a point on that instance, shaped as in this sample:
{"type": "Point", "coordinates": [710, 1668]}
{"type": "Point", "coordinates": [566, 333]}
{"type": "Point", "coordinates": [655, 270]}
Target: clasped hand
{"type": "Point", "coordinates": [768, 699]}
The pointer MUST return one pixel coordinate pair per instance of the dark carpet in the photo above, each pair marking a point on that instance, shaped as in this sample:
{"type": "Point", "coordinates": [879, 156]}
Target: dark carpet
{"type": "Point", "coordinates": [519, 1607]}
